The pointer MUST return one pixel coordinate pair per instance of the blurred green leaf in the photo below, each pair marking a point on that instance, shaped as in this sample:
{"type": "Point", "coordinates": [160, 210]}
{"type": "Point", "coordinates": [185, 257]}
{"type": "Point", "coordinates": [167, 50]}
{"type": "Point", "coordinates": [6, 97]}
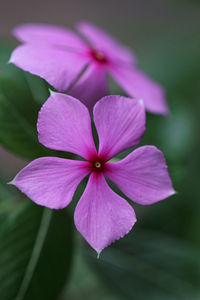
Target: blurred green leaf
{"type": "Point", "coordinates": [149, 265]}
{"type": "Point", "coordinates": [6, 200]}
{"type": "Point", "coordinates": [21, 96]}
{"type": "Point", "coordinates": [5, 193]}
{"type": "Point", "coordinates": [18, 110]}
{"type": "Point", "coordinates": [35, 253]}
{"type": "Point", "coordinates": [84, 282]}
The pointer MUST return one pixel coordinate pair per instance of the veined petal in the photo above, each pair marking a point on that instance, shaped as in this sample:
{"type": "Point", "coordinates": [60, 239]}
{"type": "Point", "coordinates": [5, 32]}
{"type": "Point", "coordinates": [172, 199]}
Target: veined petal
{"type": "Point", "coordinates": [102, 216]}
{"type": "Point", "coordinates": [58, 66]}
{"type": "Point", "coordinates": [138, 84]}
{"type": "Point", "coordinates": [91, 87]}
{"type": "Point", "coordinates": [142, 175]}
{"type": "Point", "coordinates": [48, 35]}
{"type": "Point", "coordinates": [51, 181]}
{"type": "Point", "coordinates": [120, 123]}
{"type": "Point", "coordinates": [64, 124]}
{"type": "Point", "coordinates": [100, 40]}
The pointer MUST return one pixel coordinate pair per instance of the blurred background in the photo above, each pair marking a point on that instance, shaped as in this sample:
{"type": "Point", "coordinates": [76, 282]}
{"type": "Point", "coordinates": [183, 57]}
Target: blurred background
{"type": "Point", "coordinates": [160, 258]}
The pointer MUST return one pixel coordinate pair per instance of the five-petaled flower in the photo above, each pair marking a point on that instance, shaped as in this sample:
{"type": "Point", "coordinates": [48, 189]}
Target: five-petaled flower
{"type": "Point", "coordinates": [71, 64]}
{"type": "Point", "coordinates": [101, 215]}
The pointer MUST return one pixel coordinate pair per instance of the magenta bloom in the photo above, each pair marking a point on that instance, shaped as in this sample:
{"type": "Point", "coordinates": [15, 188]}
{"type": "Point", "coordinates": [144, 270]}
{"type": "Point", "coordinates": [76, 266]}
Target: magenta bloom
{"type": "Point", "coordinates": [101, 215]}
{"type": "Point", "coordinates": [71, 64]}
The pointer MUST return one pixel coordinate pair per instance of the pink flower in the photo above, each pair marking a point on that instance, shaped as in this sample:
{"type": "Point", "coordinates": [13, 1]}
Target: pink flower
{"type": "Point", "coordinates": [101, 215]}
{"type": "Point", "coordinates": [71, 64]}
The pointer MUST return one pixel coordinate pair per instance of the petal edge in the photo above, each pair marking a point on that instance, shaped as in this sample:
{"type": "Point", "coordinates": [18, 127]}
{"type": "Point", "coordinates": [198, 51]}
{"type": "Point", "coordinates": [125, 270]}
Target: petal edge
{"type": "Point", "coordinates": [64, 124]}
{"type": "Point", "coordinates": [142, 176]}
{"type": "Point", "coordinates": [120, 124]}
{"type": "Point", "coordinates": [51, 181]}
{"type": "Point", "coordinates": [102, 216]}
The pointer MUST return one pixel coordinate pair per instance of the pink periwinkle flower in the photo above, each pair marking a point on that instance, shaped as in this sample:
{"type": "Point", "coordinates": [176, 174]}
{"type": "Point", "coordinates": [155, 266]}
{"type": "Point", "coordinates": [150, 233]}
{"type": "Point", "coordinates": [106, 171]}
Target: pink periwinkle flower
{"type": "Point", "coordinates": [80, 65]}
{"type": "Point", "coordinates": [101, 215]}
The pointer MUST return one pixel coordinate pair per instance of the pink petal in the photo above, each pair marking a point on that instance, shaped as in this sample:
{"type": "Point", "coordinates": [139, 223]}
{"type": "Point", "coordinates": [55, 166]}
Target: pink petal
{"type": "Point", "coordinates": [102, 41]}
{"type": "Point", "coordinates": [57, 66]}
{"type": "Point", "coordinates": [91, 87]}
{"type": "Point", "coordinates": [120, 124]}
{"type": "Point", "coordinates": [64, 124]}
{"type": "Point", "coordinates": [51, 181]}
{"type": "Point", "coordinates": [48, 35]}
{"type": "Point", "coordinates": [102, 216]}
{"type": "Point", "coordinates": [142, 175]}
{"type": "Point", "coordinates": [138, 84]}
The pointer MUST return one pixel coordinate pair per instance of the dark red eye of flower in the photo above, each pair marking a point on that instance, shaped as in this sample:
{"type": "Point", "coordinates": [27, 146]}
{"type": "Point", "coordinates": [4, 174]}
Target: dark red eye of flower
{"type": "Point", "coordinates": [98, 165]}
{"type": "Point", "coordinates": [99, 56]}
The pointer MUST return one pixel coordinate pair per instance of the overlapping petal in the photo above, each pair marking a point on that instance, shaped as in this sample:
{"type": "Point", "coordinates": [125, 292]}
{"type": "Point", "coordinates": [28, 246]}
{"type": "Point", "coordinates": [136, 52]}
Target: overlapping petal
{"type": "Point", "coordinates": [64, 124]}
{"type": "Point", "coordinates": [91, 87]}
{"type": "Point", "coordinates": [142, 175]}
{"type": "Point", "coordinates": [49, 35]}
{"type": "Point", "coordinates": [51, 181]}
{"type": "Point", "coordinates": [57, 66]}
{"type": "Point", "coordinates": [101, 40]}
{"type": "Point", "coordinates": [120, 123]}
{"type": "Point", "coordinates": [138, 84]}
{"type": "Point", "coordinates": [102, 216]}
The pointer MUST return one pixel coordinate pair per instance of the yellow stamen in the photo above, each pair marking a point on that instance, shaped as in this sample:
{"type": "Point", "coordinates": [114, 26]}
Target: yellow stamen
{"type": "Point", "coordinates": [97, 165]}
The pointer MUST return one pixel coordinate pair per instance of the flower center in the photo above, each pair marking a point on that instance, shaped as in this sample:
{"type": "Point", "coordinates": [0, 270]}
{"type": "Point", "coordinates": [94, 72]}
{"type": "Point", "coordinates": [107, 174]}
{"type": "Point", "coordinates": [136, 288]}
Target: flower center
{"type": "Point", "coordinates": [98, 166]}
{"type": "Point", "coordinates": [99, 56]}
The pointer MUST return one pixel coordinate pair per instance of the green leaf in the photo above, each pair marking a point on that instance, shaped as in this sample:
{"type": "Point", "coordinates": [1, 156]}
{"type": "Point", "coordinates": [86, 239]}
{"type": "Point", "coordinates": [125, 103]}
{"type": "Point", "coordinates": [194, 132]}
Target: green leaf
{"type": "Point", "coordinates": [84, 281]}
{"type": "Point", "coordinates": [6, 200]}
{"type": "Point", "coordinates": [21, 96]}
{"type": "Point", "coordinates": [5, 193]}
{"type": "Point", "coordinates": [35, 253]}
{"type": "Point", "coordinates": [148, 265]}
{"type": "Point", "coordinates": [18, 110]}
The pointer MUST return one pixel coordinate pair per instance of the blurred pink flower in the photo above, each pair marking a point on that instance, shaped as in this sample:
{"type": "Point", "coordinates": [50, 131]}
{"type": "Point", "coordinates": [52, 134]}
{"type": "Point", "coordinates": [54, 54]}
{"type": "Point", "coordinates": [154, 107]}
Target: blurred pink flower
{"type": "Point", "coordinates": [101, 215]}
{"type": "Point", "coordinates": [71, 64]}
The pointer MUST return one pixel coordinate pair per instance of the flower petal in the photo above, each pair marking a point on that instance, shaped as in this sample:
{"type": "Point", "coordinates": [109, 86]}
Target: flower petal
{"type": "Point", "coordinates": [64, 124]}
{"type": "Point", "coordinates": [51, 181]}
{"type": "Point", "coordinates": [57, 66]}
{"type": "Point", "coordinates": [120, 124]}
{"type": "Point", "coordinates": [48, 35]}
{"type": "Point", "coordinates": [102, 216]}
{"type": "Point", "coordinates": [142, 175]}
{"type": "Point", "coordinates": [138, 84]}
{"type": "Point", "coordinates": [91, 87]}
{"type": "Point", "coordinates": [100, 40]}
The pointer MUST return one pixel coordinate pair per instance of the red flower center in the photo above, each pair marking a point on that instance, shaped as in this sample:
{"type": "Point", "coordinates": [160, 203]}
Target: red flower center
{"type": "Point", "coordinates": [98, 165]}
{"type": "Point", "coordinates": [99, 56]}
